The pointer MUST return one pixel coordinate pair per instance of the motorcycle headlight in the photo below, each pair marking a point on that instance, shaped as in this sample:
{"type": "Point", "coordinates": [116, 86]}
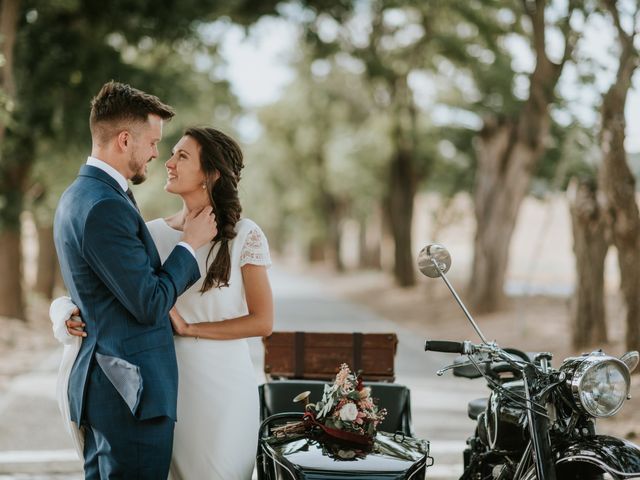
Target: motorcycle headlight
{"type": "Point", "coordinates": [600, 385]}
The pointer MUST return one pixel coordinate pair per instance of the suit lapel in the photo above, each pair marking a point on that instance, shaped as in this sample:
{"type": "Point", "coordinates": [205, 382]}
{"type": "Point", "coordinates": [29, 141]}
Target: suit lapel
{"type": "Point", "coordinates": [94, 172]}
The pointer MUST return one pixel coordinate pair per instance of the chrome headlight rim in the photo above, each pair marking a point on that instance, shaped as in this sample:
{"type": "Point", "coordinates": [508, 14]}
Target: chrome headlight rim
{"type": "Point", "coordinates": [590, 362]}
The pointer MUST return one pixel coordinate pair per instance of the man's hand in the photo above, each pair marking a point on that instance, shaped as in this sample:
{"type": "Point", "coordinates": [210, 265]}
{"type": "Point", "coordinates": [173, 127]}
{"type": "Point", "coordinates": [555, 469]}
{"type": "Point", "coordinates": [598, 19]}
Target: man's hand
{"type": "Point", "coordinates": [200, 227]}
{"type": "Point", "coordinates": [75, 325]}
{"type": "Point", "coordinates": [181, 327]}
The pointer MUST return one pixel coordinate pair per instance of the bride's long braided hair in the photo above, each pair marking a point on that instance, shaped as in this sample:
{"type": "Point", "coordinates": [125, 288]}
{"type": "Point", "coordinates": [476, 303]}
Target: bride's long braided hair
{"type": "Point", "coordinates": [220, 154]}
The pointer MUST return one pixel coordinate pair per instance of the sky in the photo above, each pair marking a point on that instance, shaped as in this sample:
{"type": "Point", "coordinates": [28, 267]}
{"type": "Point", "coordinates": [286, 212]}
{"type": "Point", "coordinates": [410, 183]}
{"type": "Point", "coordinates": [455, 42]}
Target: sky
{"type": "Point", "coordinates": [258, 72]}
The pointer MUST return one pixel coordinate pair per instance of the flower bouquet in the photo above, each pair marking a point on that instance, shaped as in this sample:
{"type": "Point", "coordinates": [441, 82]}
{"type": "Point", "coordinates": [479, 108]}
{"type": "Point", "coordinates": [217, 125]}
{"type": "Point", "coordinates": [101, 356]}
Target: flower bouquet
{"type": "Point", "coordinates": [346, 411]}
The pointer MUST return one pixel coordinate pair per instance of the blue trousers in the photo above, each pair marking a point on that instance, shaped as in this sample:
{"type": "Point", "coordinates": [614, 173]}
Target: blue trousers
{"type": "Point", "coordinates": [118, 446]}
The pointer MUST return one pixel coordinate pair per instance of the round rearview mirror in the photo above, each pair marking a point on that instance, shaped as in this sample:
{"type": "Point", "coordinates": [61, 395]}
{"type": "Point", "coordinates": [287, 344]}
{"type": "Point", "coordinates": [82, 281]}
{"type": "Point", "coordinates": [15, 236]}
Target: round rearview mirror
{"type": "Point", "coordinates": [631, 359]}
{"type": "Point", "coordinates": [433, 260]}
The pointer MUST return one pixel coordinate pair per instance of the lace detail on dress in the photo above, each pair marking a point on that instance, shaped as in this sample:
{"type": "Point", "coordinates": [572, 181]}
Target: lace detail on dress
{"type": "Point", "coordinates": [255, 250]}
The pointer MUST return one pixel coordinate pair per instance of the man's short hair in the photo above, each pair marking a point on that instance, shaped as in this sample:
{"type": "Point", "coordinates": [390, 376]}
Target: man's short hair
{"type": "Point", "coordinates": [117, 106]}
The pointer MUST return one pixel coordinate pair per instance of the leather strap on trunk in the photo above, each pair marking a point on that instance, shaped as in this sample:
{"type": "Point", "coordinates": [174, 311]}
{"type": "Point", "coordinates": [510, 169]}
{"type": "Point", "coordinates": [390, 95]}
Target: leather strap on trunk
{"type": "Point", "coordinates": [298, 361]}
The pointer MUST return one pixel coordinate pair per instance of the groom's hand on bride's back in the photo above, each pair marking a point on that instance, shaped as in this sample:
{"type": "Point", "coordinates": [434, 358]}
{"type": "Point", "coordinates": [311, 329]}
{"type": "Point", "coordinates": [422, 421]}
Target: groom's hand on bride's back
{"type": "Point", "coordinates": [200, 227]}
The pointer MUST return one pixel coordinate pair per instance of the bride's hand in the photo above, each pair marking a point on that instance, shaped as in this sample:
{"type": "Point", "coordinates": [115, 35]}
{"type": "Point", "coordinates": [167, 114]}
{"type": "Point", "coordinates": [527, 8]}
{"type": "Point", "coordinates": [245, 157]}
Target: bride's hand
{"type": "Point", "coordinates": [179, 325]}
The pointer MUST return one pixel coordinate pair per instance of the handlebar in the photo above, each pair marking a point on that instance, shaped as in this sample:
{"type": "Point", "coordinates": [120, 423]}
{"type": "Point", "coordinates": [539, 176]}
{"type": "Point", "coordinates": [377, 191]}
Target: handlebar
{"type": "Point", "coordinates": [468, 348]}
{"type": "Point", "coordinates": [446, 346]}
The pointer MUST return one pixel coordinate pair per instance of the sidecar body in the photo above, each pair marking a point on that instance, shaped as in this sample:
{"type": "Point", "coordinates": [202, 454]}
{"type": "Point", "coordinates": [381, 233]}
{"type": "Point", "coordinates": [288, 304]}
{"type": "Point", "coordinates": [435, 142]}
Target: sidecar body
{"type": "Point", "coordinates": [314, 455]}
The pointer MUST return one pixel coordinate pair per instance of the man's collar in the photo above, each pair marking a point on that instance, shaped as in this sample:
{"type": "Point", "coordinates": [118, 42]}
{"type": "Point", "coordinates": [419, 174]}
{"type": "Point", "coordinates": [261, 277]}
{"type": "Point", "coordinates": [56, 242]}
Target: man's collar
{"type": "Point", "coordinates": [108, 169]}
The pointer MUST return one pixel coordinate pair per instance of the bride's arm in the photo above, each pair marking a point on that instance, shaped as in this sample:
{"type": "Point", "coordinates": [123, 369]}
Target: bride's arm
{"type": "Point", "coordinates": [258, 323]}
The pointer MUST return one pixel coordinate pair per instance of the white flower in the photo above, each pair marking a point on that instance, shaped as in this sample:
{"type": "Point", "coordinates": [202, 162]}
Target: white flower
{"type": "Point", "coordinates": [349, 412]}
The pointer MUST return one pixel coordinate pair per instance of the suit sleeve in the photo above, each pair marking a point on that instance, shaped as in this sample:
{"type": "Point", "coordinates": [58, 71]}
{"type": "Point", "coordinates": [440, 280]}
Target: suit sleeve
{"type": "Point", "coordinates": [113, 249]}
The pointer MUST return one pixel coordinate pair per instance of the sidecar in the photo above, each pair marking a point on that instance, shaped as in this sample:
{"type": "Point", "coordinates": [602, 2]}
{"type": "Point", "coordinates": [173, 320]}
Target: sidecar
{"type": "Point", "coordinates": [296, 362]}
{"type": "Point", "coordinates": [317, 456]}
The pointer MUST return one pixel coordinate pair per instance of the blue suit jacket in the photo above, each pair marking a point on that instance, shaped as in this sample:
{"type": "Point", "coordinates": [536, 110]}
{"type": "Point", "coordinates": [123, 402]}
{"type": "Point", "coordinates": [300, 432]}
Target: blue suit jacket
{"type": "Point", "coordinates": [112, 270]}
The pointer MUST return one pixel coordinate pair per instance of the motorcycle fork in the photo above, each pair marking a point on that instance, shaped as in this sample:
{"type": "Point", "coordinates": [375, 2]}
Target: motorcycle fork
{"type": "Point", "coordinates": [539, 431]}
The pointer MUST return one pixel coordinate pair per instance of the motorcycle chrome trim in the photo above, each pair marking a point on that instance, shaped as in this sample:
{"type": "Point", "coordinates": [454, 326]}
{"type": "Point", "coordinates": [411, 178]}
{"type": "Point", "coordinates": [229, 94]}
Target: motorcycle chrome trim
{"type": "Point", "coordinates": [631, 360]}
{"type": "Point", "coordinates": [275, 460]}
{"type": "Point", "coordinates": [433, 260]}
{"type": "Point", "coordinates": [523, 465]}
{"type": "Point", "coordinates": [591, 361]}
{"type": "Point", "coordinates": [419, 469]}
{"type": "Point", "coordinates": [599, 463]}
{"type": "Point", "coordinates": [604, 451]}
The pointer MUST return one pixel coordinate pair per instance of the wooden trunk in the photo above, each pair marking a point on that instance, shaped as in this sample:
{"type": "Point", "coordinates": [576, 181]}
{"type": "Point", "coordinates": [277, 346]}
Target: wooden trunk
{"type": "Point", "coordinates": [318, 356]}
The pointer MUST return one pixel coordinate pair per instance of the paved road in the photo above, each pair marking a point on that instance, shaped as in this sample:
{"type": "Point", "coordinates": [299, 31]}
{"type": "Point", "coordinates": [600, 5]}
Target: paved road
{"type": "Point", "coordinates": [34, 446]}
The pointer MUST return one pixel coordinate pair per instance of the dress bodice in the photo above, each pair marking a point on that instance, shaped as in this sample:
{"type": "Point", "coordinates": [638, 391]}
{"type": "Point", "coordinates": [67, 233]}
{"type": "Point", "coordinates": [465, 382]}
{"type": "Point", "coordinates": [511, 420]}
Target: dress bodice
{"type": "Point", "coordinates": [249, 246]}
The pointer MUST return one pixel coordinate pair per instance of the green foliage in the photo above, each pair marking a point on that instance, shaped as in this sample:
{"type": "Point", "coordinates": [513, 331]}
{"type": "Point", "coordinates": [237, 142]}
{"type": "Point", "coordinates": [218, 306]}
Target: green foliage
{"type": "Point", "coordinates": [67, 49]}
{"type": "Point", "coordinates": [322, 139]}
{"type": "Point", "coordinates": [454, 166]}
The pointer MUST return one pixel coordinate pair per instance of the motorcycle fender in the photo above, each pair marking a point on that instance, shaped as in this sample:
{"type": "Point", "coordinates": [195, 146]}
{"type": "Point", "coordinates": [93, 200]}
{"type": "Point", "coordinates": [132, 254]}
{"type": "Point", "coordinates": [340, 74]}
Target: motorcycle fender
{"type": "Point", "coordinates": [615, 456]}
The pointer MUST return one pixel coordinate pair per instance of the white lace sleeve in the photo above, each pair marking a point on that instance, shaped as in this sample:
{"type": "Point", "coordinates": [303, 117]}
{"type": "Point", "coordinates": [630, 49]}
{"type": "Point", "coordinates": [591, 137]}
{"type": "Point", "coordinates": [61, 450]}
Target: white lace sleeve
{"type": "Point", "coordinates": [255, 250]}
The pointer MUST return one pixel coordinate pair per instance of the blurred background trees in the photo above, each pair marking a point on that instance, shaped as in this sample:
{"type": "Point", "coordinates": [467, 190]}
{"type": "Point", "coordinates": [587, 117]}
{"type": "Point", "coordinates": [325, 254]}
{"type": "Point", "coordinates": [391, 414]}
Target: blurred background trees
{"type": "Point", "coordinates": [387, 101]}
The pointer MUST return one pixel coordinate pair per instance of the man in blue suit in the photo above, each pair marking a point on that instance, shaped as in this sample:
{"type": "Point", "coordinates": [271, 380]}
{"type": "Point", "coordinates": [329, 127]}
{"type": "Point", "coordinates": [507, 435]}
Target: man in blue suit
{"type": "Point", "coordinates": [123, 385]}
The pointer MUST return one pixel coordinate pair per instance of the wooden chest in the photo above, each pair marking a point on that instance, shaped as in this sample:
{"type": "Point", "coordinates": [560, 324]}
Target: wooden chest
{"type": "Point", "coordinates": [317, 356]}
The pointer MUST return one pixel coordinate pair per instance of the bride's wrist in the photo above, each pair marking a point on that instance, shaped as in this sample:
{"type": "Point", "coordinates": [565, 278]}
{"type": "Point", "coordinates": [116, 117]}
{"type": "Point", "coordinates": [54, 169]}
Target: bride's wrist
{"type": "Point", "coordinates": [189, 331]}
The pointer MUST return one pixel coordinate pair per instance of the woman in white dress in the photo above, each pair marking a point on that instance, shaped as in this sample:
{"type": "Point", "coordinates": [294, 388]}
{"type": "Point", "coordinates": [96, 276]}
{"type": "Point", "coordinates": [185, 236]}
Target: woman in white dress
{"type": "Point", "coordinates": [218, 406]}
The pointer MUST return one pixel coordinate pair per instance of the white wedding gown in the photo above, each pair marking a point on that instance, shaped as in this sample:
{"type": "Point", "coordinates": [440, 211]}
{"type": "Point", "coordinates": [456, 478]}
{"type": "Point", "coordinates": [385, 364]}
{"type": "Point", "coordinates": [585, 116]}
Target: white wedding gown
{"type": "Point", "coordinates": [218, 406]}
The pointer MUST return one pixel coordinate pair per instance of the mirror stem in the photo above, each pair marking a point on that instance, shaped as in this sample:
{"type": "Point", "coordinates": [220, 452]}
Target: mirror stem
{"type": "Point", "coordinates": [455, 295]}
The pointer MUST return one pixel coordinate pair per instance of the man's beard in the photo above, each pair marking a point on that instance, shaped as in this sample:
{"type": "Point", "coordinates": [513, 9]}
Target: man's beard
{"type": "Point", "coordinates": [138, 178]}
{"type": "Point", "coordinates": [140, 175]}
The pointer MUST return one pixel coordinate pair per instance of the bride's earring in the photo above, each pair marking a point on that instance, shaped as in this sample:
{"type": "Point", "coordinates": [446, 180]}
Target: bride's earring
{"type": "Point", "coordinates": [204, 185]}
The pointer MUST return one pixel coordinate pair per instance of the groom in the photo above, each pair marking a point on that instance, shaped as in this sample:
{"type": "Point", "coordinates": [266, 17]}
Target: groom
{"type": "Point", "coordinates": [123, 385]}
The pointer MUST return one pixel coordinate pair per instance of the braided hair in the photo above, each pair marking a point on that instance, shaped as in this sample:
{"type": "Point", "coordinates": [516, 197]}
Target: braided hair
{"type": "Point", "coordinates": [221, 161]}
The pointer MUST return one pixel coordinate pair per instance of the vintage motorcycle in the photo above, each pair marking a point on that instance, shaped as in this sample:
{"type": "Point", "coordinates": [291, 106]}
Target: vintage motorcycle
{"type": "Point", "coordinates": [538, 422]}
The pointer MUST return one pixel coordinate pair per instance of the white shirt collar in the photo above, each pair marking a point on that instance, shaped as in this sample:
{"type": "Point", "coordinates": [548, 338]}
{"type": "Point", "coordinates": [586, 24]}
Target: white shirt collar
{"type": "Point", "coordinates": [109, 170]}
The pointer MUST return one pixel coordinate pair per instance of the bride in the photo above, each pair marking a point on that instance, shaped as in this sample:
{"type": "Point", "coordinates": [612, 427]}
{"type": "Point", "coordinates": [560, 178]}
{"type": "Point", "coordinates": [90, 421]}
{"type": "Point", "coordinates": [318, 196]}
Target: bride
{"type": "Point", "coordinates": [218, 406]}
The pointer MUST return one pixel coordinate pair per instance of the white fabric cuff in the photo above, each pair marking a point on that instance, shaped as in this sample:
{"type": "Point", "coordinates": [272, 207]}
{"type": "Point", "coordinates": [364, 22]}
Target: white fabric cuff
{"type": "Point", "coordinates": [188, 247]}
{"type": "Point", "coordinates": [60, 312]}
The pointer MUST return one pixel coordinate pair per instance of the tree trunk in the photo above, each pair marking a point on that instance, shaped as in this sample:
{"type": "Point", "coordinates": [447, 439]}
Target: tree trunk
{"type": "Point", "coordinates": [11, 304]}
{"type": "Point", "coordinates": [330, 205]}
{"type": "Point", "coordinates": [505, 164]}
{"type": "Point", "coordinates": [402, 190]}
{"type": "Point", "coordinates": [369, 239]}
{"type": "Point", "coordinates": [47, 263]}
{"type": "Point", "coordinates": [332, 215]}
{"type": "Point", "coordinates": [590, 245]}
{"type": "Point", "coordinates": [507, 151]}
{"type": "Point", "coordinates": [618, 182]}
{"type": "Point", "coordinates": [15, 168]}
{"type": "Point", "coordinates": [336, 241]}
{"type": "Point", "coordinates": [316, 250]}
{"type": "Point", "coordinates": [9, 11]}
{"type": "Point", "coordinates": [619, 186]}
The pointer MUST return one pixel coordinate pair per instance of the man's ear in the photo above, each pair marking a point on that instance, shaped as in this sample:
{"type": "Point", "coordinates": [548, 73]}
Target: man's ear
{"type": "Point", "coordinates": [123, 139]}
